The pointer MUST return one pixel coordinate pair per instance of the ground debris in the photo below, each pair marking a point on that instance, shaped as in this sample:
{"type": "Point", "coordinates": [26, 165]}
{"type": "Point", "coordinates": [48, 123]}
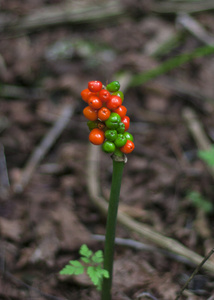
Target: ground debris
{"type": "Point", "coordinates": [43, 68]}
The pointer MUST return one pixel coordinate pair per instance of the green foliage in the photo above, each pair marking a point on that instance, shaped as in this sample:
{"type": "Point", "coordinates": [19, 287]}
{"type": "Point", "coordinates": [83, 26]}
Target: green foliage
{"type": "Point", "coordinates": [92, 265]}
{"type": "Point", "coordinates": [199, 201]}
{"type": "Point", "coordinates": [85, 251]}
{"type": "Point", "coordinates": [74, 268]}
{"type": "Point", "coordinates": [98, 257]}
{"type": "Point", "coordinates": [96, 274]}
{"type": "Point", "coordinates": [170, 64]}
{"type": "Point", "coordinates": [207, 156]}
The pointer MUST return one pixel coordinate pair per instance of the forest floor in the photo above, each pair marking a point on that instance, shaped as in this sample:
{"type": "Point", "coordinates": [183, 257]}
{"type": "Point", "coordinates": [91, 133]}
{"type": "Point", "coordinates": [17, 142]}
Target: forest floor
{"type": "Point", "coordinates": [47, 212]}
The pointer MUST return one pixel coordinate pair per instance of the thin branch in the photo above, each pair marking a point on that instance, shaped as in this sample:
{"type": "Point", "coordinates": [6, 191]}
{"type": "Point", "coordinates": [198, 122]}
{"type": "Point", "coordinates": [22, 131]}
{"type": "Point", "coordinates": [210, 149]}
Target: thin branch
{"type": "Point", "coordinates": [144, 247]}
{"type": "Point", "coordinates": [68, 13]}
{"type": "Point", "coordinates": [197, 269]}
{"type": "Point", "coordinates": [4, 180]}
{"type": "Point", "coordinates": [146, 295]}
{"type": "Point", "coordinates": [43, 148]}
{"type": "Point", "coordinates": [173, 7]}
{"type": "Point", "coordinates": [195, 28]}
{"type": "Point", "coordinates": [195, 127]}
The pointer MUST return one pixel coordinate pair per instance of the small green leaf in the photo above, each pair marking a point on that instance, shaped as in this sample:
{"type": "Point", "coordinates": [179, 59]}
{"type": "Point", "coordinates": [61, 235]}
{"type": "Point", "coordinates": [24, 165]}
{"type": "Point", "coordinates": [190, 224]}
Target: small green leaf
{"type": "Point", "coordinates": [75, 263]}
{"type": "Point", "coordinates": [67, 270]}
{"type": "Point", "coordinates": [207, 156]}
{"type": "Point", "coordinates": [74, 268]}
{"type": "Point", "coordinates": [199, 201]}
{"type": "Point", "coordinates": [85, 251]}
{"type": "Point", "coordinates": [98, 257]}
{"type": "Point", "coordinates": [92, 273]}
{"type": "Point", "coordinates": [105, 273]}
{"type": "Point", "coordinates": [86, 260]}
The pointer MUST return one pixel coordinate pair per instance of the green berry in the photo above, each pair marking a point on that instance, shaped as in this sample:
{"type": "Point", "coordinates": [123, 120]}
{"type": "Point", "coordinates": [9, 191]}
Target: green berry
{"type": "Point", "coordinates": [108, 147]}
{"type": "Point", "coordinates": [113, 86]}
{"type": "Point", "coordinates": [113, 121]}
{"type": "Point", "coordinates": [128, 136]}
{"type": "Point", "coordinates": [121, 128]}
{"type": "Point", "coordinates": [111, 134]}
{"type": "Point", "coordinates": [120, 140]}
{"type": "Point", "coordinates": [92, 124]}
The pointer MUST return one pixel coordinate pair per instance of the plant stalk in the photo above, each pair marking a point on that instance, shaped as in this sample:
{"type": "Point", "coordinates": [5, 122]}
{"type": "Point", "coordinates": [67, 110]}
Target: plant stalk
{"type": "Point", "coordinates": [118, 166]}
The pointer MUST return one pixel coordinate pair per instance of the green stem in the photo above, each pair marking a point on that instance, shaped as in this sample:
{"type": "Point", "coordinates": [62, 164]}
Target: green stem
{"type": "Point", "coordinates": [118, 165]}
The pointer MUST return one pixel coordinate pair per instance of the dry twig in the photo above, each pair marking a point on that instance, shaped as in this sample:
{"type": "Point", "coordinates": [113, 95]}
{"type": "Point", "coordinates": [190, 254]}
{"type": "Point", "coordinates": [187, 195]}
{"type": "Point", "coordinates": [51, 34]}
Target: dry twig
{"type": "Point", "coordinates": [4, 180]}
{"type": "Point", "coordinates": [68, 13]}
{"type": "Point", "coordinates": [195, 28]}
{"type": "Point", "coordinates": [144, 247]}
{"type": "Point", "coordinates": [43, 148]}
{"type": "Point", "coordinates": [197, 269]}
{"type": "Point", "coordinates": [173, 7]}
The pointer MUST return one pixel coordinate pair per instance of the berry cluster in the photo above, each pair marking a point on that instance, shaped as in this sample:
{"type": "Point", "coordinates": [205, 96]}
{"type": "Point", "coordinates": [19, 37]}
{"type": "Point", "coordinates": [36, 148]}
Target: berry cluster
{"type": "Point", "coordinates": [108, 123]}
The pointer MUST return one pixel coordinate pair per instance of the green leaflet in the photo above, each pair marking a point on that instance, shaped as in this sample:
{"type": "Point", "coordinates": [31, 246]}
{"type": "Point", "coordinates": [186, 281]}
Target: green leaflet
{"type": "Point", "coordinates": [199, 201]}
{"type": "Point", "coordinates": [207, 156]}
{"type": "Point", "coordinates": [97, 257]}
{"type": "Point", "coordinates": [73, 268]}
{"type": "Point", "coordinates": [85, 251]}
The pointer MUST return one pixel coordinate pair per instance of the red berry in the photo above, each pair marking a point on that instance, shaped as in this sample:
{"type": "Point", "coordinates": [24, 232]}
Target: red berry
{"type": "Point", "coordinates": [85, 94]}
{"type": "Point", "coordinates": [114, 102]}
{"type": "Point", "coordinates": [104, 95]}
{"type": "Point", "coordinates": [95, 86]}
{"type": "Point", "coordinates": [121, 111]}
{"type": "Point", "coordinates": [126, 120]}
{"type": "Point", "coordinates": [128, 147]}
{"type": "Point", "coordinates": [90, 113]}
{"type": "Point", "coordinates": [97, 136]}
{"type": "Point", "coordinates": [104, 113]}
{"type": "Point", "coordinates": [95, 102]}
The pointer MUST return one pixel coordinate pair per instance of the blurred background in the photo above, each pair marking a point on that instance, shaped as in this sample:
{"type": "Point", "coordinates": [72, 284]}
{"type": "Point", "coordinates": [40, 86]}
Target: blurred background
{"type": "Point", "coordinates": [162, 54]}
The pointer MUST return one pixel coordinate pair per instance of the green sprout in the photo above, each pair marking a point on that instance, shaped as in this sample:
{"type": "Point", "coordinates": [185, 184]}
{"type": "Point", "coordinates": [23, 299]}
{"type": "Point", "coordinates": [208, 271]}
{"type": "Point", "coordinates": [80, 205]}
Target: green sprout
{"type": "Point", "coordinates": [92, 265]}
{"type": "Point", "coordinates": [207, 156]}
{"type": "Point", "coordinates": [199, 201]}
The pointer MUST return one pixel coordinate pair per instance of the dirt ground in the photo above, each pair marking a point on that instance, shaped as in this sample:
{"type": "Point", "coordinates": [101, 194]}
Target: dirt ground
{"type": "Point", "coordinates": [46, 209]}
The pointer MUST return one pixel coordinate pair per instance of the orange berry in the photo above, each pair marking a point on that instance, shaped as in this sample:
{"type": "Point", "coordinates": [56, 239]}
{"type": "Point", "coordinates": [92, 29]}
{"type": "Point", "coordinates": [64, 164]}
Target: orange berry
{"type": "Point", "coordinates": [128, 147]}
{"type": "Point", "coordinates": [85, 94]}
{"type": "Point", "coordinates": [95, 102]}
{"type": "Point", "coordinates": [121, 111]}
{"type": "Point", "coordinates": [90, 113]}
{"type": "Point", "coordinates": [96, 136]}
{"type": "Point", "coordinates": [104, 113]}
